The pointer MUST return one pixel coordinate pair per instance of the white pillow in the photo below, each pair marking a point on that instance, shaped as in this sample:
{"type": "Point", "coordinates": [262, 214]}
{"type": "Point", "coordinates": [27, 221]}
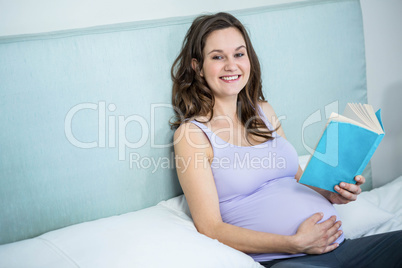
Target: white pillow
{"type": "Point", "coordinates": [178, 205]}
{"type": "Point", "coordinates": [361, 216]}
{"type": "Point", "coordinates": [33, 253]}
{"type": "Point", "coordinates": [159, 236]}
{"type": "Point", "coordinates": [387, 197]}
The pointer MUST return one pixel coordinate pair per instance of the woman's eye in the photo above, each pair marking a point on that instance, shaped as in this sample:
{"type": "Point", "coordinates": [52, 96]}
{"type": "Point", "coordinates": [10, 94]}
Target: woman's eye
{"type": "Point", "coordinates": [238, 55]}
{"type": "Point", "coordinates": [217, 57]}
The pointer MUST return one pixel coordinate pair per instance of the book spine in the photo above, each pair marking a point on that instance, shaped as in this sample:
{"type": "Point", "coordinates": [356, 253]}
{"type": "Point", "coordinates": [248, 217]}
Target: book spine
{"type": "Point", "coordinates": [369, 154]}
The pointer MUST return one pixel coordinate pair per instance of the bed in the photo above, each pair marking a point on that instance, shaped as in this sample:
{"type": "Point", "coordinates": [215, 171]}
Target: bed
{"type": "Point", "coordinates": [165, 235]}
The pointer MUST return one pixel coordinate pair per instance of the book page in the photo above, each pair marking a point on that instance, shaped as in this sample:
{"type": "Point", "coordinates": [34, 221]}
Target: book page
{"type": "Point", "coordinates": [370, 110]}
{"type": "Point", "coordinates": [341, 118]}
{"type": "Point", "coordinates": [363, 115]}
{"type": "Point", "coordinates": [368, 115]}
{"type": "Point", "coordinates": [352, 111]}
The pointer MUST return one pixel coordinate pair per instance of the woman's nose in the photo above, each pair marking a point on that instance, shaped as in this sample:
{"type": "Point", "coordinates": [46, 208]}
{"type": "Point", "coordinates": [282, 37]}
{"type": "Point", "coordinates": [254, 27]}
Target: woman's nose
{"type": "Point", "coordinates": [230, 65]}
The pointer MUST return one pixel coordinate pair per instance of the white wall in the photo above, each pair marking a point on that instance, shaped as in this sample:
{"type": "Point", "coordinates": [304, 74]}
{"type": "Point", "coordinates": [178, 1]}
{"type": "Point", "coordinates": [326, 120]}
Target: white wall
{"type": "Point", "coordinates": [34, 16]}
{"type": "Point", "coordinates": [383, 37]}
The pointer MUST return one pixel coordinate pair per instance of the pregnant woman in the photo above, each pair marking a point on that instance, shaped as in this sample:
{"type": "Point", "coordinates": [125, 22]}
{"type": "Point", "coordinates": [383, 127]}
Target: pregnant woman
{"type": "Point", "coordinates": [239, 173]}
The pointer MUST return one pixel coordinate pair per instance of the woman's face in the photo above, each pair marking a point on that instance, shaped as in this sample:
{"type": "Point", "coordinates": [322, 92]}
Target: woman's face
{"type": "Point", "coordinates": [226, 66]}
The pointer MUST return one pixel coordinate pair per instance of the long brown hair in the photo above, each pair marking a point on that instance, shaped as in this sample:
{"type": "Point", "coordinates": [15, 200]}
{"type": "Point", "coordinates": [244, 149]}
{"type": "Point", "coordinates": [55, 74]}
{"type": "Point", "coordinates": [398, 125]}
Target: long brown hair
{"type": "Point", "coordinates": [191, 95]}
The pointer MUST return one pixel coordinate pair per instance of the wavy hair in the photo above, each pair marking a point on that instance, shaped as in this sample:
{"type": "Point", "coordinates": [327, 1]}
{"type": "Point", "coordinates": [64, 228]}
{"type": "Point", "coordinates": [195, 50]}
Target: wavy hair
{"type": "Point", "coordinates": [191, 95]}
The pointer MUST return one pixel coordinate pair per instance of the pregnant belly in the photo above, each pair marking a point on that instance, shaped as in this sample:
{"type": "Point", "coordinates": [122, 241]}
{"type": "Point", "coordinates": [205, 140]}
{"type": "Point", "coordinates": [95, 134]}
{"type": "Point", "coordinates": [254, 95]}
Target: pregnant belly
{"type": "Point", "coordinates": [278, 207]}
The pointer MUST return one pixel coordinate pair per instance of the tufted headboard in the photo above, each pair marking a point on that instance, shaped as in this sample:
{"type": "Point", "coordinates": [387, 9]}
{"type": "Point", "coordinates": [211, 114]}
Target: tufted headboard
{"type": "Point", "coordinates": [84, 113]}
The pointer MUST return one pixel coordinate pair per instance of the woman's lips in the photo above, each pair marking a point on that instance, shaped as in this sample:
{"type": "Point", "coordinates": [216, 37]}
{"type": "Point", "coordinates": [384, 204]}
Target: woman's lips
{"type": "Point", "coordinates": [230, 78]}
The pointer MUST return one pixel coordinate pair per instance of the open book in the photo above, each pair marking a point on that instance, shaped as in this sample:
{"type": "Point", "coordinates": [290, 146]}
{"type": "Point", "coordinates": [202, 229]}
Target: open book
{"type": "Point", "coordinates": [345, 147]}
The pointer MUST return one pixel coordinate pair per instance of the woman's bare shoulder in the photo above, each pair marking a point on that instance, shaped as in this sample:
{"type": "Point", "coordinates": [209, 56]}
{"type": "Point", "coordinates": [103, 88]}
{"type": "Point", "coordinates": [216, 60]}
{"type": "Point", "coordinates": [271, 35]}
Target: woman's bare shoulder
{"type": "Point", "coordinates": [190, 136]}
{"type": "Point", "coordinates": [272, 117]}
{"type": "Point", "coordinates": [266, 107]}
{"type": "Point", "coordinates": [268, 111]}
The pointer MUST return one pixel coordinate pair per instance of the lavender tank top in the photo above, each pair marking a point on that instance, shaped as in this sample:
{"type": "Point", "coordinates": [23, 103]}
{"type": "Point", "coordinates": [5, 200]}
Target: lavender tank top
{"type": "Point", "coordinates": [257, 188]}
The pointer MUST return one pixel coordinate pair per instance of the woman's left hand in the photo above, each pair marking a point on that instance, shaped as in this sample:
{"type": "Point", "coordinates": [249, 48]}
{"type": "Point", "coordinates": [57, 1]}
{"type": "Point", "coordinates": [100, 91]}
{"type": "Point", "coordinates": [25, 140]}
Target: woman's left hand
{"type": "Point", "coordinates": [346, 192]}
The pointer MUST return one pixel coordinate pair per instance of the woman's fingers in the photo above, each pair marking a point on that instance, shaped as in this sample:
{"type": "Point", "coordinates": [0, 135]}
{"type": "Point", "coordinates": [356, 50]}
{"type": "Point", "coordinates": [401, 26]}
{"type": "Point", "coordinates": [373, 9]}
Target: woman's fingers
{"type": "Point", "coordinates": [328, 224]}
{"type": "Point", "coordinates": [330, 248]}
{"type": "Point", "coordinates": [360, 180]}
{"type": "Point", "coordinates": [346, 192]}
{"type": "Point", "coordinates": [316, 217]}
{"type": "Point", "coordinates": [352, 188]}
{"type": "Point", "coordinates": [349, 191]}
{"type": "Point", "coordinates": [334, 232]}
{"type": "Point", "coordinates": [331, 227]}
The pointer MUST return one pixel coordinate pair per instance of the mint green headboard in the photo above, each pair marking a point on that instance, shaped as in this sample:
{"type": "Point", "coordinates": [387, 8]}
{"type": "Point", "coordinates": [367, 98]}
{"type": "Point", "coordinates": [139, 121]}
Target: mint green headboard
{"type": "Point", "coordinates": [84, 113]}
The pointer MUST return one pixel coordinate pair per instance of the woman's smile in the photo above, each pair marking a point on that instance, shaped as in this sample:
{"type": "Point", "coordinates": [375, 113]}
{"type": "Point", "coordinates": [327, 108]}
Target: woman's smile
{"type": "Point", "coordinates": [231, 78]}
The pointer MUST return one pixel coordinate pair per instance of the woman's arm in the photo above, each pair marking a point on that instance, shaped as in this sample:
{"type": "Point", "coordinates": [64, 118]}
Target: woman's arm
{"type": "Point", "coordinates": [193, 155]}
{"type": "Point", "coordinates": [346, 192]}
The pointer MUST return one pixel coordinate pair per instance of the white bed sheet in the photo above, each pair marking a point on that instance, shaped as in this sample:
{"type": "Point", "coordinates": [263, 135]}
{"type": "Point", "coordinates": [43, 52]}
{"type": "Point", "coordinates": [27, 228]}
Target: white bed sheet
{"type": "Point", "coordinates": [389, 199]}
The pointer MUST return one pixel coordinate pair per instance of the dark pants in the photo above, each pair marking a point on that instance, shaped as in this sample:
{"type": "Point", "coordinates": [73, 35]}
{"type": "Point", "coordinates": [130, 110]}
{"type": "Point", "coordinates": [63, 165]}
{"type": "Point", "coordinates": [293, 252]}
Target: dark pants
{"type": "Point", "coordinates": [382, 250]}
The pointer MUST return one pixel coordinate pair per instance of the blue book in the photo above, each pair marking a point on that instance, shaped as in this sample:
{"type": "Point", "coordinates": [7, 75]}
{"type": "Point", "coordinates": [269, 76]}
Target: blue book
{"type": "Point", "coordinates": [345, 147]}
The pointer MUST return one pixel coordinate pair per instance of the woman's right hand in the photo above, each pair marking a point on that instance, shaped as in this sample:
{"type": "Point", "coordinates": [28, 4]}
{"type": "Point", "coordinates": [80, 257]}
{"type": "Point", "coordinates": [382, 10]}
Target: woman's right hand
{"type": "Point", "coordinates": [317, 238]}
